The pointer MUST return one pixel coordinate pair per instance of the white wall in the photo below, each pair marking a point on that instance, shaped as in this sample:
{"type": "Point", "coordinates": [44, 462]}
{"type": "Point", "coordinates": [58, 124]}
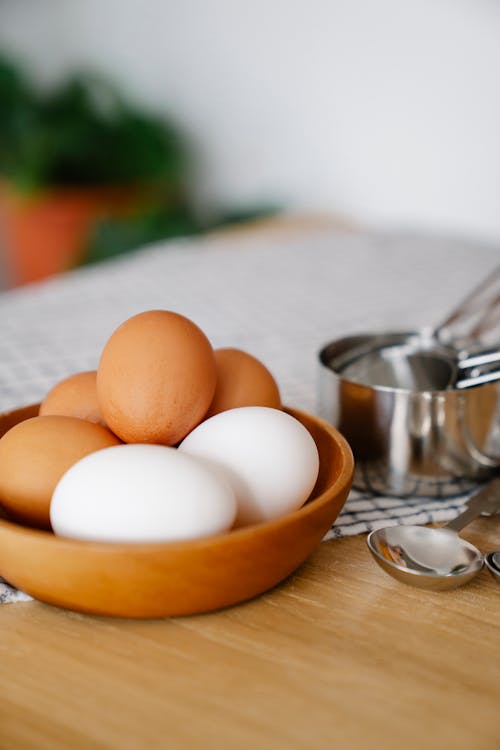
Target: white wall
{"type": "Point", "coordinates": [385, 110]}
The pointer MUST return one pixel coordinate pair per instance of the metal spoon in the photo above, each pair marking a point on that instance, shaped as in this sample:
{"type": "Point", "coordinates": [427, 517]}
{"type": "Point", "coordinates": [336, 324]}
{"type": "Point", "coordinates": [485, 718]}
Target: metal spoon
{"type": "Point", "coordinates": [436, 559]}
{"type": "Point", "coordinates": [492, 561]}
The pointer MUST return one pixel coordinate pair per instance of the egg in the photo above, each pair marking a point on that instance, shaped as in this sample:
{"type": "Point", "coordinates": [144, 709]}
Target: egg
{"type": "Point", "coordinates": [141, 493]}
{"type": "Point", "coordinates": [242, 380]}
{"type": "Point", "coordinates": [268, 456]}
{"type": "Point", "coordinates": [75, 396]}
{"type": "Point", "coordinates": [33, 457]}
{"type": "Point", "coordinates": [156, 378]}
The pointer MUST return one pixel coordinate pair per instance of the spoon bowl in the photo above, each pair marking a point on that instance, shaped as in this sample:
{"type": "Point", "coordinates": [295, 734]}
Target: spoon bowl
{"type": "Point", "coordinates": [434, 559]}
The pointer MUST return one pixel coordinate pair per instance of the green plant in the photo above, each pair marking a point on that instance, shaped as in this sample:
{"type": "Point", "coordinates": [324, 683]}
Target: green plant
{"type": "Point", "coordinates": [112, 237]}
{"type": "Point", "coordinates": [82, 132]}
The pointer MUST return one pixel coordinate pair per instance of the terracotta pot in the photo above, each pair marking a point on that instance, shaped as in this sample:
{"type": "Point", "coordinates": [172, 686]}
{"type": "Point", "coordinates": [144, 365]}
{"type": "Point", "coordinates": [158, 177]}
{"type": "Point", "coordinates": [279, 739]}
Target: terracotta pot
{"type": "Point", "coordinates": [46, 232]}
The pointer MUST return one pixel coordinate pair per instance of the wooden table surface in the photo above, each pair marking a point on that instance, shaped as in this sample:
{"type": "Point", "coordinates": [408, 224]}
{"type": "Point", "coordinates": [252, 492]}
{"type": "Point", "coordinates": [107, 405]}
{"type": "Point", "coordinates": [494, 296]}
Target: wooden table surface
{"type": "Point", "coordinates": [339, 653]}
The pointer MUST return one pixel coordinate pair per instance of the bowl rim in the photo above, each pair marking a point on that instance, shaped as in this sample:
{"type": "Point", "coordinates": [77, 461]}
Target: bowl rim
{"type": "Point", "coordinates": [342, 481]}
{"type": "Point", "coordinates": [425, 336]}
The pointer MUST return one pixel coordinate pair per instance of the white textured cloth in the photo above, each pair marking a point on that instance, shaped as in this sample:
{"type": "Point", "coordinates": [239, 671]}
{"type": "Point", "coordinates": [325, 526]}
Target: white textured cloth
{"type": "Point", "coordinates": [279, 298]}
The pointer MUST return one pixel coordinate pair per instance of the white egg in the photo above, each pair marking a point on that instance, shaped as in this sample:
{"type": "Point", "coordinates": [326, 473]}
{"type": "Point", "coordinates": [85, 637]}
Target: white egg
{"type": "Point", "coordinates": [141, 493]}
{"type": "Point", "coordinates": [268, 456]}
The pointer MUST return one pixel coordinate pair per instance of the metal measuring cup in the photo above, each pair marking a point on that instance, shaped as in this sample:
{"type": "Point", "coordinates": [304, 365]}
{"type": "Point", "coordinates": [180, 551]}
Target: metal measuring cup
{"type": "Point", "coordinates": [411, 437]}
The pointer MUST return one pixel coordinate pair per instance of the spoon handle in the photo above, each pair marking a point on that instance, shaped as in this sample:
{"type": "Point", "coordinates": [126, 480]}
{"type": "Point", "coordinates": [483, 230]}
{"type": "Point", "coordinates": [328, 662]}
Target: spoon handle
{"type": "Point", "coordinates": [486, 500]}
{"type": "Point", "coordinates": [487, 377]}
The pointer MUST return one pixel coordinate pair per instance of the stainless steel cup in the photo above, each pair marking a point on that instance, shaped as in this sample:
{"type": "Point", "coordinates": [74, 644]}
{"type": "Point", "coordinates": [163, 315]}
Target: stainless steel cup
{"type": "Point", "coordinates": [410, 443]}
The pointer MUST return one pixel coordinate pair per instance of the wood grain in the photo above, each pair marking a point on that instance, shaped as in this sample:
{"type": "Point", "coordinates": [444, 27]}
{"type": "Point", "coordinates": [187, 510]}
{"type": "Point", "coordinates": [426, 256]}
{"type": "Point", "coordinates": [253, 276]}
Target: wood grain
{"type": "Point", "coordinates": [338, 653]}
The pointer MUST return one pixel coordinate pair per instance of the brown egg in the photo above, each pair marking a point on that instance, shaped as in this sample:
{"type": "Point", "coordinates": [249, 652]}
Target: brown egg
{"type": "Point", "coordinates": [242, 380]}
{"type": "Point", "coordinates": [156, 378]}
{"type": "Point", "coordinates": [33, 457]}
{"type": "Point", "coordinates": [75, 396]}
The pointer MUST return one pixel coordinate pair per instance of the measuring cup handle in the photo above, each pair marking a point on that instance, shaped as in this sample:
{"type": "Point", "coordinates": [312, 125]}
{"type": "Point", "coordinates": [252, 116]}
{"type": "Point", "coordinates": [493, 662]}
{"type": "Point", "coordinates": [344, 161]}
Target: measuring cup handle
{"type": "Point", "coordinates": [479, 359]}
{"type": "Point", "coordinates": [479, 310]}
{"type": "Point", "coordinates": [471, 372]}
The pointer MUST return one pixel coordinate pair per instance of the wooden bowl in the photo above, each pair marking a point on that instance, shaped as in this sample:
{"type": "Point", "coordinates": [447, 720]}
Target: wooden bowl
{"type": "Point", "coordinates": [177, 578]}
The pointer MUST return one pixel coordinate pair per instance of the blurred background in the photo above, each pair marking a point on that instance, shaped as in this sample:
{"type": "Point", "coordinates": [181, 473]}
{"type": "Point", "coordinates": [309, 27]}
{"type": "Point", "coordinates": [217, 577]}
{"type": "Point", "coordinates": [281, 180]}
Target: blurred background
{"type": "Point", "coordinates": [127, 121]}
